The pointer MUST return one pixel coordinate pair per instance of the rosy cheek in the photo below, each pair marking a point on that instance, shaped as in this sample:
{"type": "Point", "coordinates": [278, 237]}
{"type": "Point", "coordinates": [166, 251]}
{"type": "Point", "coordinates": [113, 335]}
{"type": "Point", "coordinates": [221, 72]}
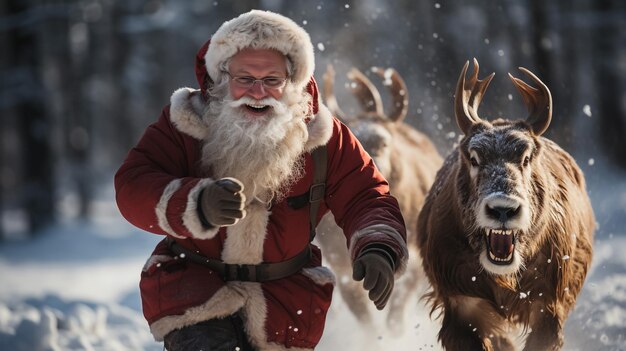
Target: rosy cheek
{"type": "Point", "coordinates": [235, 92]}
{"type": "Point", "coordinates": [276, 94]}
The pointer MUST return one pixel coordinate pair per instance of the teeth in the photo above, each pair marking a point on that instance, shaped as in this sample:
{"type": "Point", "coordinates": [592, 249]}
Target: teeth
{"type": "Point", "coordinates": [257, 106]}
{"type": "Point", "coordinates": [501, 231]}
{"type": "Point", "coordinates": [506, 233]}
{"type": "Point", "coordinates": [500, 259]}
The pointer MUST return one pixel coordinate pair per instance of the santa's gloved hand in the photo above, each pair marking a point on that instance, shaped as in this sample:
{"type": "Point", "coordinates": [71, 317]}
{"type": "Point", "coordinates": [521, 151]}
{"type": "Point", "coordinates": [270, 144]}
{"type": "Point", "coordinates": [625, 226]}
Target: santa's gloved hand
{"type": "Point", "coordinates": [374, 267]}
{"type": "Point", "coordinates": [222, 202]}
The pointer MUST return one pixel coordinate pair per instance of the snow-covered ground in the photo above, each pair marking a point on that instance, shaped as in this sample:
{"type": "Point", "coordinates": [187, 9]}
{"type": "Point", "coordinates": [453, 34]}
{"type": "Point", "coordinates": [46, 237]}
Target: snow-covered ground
{"type": "Point", "coordinates": [76, 288]}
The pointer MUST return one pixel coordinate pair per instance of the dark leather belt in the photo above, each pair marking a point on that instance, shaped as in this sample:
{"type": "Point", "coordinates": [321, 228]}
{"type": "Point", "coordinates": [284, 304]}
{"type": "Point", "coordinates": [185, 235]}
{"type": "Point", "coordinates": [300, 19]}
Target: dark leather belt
{"type": "Point", "coordinates": [245, 272]}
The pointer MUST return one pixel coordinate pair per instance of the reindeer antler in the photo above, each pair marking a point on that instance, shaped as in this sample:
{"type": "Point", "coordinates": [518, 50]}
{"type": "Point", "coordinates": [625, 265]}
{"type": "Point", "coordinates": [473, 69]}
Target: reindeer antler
{"type": "Point", "coordinates": [468, 96]}
{"type": "Point", "coordinates": [366, 92]}
{"type": "Point", "coordinates": [399, 93]}
{"type": "Point", "coordinates": [537, 101]}
{"type": "Point", "coordinates": [329, 92]}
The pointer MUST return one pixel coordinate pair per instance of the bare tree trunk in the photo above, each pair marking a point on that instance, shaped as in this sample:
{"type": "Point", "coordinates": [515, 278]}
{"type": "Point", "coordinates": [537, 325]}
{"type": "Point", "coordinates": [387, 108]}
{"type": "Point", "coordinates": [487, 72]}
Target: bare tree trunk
{"type": "Point", "coordinates": [112, 39]}
{"type": "Point", "coordinates": [607, 41]}
{"type": "Point", "coordinates": [3, 189]}
{"type": "Point", "coordinates": [546, 69]}
{"type": "Point", "coordinates": [65, 41]}
{"type": "Point", "coordinates": [4, 67]}
{"type": "Point", "coordinates": [79, 131]}
{"type": "Point", "coordinates": [33, 124]}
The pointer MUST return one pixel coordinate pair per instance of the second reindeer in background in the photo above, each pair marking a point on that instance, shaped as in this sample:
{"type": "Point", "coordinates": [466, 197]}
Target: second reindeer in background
{"type": "Point", "coordinates": [408, 160]}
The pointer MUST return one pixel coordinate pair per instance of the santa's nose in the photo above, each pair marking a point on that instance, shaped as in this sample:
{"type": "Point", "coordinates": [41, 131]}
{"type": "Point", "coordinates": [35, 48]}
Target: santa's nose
{"type": "Point", "coordinates": [257, 91]}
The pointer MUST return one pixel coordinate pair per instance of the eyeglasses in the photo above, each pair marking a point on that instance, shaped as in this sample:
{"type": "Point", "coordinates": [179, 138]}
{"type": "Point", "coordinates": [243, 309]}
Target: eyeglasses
{"type": "Point", "coordinates": [248, 82]}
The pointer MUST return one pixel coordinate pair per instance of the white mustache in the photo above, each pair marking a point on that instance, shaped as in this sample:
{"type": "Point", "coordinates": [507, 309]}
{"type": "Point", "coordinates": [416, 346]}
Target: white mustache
{"type": "Point", "coordinates": [279, 107]}
{"type": "Point", "coordinates": [273, 103]}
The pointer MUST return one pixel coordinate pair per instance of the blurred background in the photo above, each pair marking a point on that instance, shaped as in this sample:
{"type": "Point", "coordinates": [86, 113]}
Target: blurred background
{"type": "Point", "coordinates": [80, 80]}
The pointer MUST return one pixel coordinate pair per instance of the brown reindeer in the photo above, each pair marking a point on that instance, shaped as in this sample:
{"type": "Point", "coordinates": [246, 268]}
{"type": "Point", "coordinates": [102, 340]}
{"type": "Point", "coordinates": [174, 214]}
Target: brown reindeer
{"type": "Point", "coordinates": [507, 228]}
{"type": "Point", "coordinates": [409, 161]}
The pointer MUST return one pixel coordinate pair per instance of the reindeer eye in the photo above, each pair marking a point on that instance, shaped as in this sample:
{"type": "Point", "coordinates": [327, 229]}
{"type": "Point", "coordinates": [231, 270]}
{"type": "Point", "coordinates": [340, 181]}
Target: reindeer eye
{"type": "Point", "coordinates": [526, 161]}
{"type": "Point", "coordinates": [473, 161]}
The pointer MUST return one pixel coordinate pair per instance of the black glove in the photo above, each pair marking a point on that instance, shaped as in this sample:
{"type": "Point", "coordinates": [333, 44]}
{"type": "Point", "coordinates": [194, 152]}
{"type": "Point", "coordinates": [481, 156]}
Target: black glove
{"type": "Point", "coordinates": [222, 202]}
{"type": "Point", "coordinates": [376, 268]}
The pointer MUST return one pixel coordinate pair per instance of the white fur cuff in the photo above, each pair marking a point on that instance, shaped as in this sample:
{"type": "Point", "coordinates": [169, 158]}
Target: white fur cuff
{"type": "Point", "coordinates": [161, 209]}
{"type": "Point", "coordinates": [191, 220]}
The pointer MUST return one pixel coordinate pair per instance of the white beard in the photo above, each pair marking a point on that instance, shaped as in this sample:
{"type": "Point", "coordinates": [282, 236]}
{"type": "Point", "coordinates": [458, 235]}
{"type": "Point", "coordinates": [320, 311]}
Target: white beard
{"type": "Point", "coordinates": [265, 153]}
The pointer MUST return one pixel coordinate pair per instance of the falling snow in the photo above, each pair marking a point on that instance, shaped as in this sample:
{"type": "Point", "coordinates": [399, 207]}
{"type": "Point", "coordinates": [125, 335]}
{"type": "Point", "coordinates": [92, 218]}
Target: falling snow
{"type": "Point", "coordinates": [96, 293]}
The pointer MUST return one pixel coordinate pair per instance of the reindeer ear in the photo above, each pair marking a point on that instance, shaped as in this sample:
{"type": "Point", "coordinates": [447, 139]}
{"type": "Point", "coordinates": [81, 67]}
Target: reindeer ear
{"type": "Point", "coordinates": [468, 96]}
{"type": "Point", "coordinates": [538, 101]}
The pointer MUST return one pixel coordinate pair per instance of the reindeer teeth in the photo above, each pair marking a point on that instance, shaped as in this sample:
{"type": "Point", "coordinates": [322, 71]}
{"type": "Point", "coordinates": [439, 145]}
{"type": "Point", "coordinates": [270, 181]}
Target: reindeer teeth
{"type": "Point", "coordinates": [500, 231]}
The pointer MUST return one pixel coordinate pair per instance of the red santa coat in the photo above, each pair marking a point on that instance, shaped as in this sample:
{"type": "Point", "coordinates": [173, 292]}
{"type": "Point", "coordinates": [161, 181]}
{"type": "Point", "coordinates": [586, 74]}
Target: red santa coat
{"type": "Point", "coordinates": [157, 188]}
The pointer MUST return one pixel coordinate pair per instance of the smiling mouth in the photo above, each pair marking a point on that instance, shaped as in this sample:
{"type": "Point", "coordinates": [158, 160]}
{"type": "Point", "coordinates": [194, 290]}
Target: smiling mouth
{"type": "Point", "coordinates": [501, 245]}
{"type": "Point", "coordinates": [257, 108]}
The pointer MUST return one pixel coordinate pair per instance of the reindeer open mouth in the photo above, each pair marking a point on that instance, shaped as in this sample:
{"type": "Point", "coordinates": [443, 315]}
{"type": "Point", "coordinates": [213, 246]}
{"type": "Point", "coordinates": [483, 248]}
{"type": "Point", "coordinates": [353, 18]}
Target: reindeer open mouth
{"type": "Point", "coordinates": [501, 245]}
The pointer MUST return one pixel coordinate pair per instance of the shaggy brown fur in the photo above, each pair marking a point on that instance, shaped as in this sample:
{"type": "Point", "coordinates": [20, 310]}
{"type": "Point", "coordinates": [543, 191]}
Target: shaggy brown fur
{"type": "Point", "coordinates": [409, 161]}
{"type": "Point", "coordinates": [538, 193]}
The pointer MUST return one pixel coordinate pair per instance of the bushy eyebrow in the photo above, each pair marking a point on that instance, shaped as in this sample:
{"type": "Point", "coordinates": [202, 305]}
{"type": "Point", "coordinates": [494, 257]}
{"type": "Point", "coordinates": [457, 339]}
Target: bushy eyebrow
{"type": "Point", "coordinates": [481, 141]}
{"type": "Point", "coordinates": [510, 142]}
{"type": "Point", "coordinates": [518, 140]}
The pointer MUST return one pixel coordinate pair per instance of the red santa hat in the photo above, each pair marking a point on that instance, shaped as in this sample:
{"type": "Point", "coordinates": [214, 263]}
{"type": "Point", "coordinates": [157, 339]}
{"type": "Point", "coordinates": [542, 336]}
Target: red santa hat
{"type": "Point", "coordinates": [262, 30]}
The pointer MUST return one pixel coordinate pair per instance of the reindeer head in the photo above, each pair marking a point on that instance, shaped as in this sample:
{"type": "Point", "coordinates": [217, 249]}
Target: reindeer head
{"type": "Point", "coordinates": [372, 127]}
{"type": "Point", "coordinates": [499, 167]}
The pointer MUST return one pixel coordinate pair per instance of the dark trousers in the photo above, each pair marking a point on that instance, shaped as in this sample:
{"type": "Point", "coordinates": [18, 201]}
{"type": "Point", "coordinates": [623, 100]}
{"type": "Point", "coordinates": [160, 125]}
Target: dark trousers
{"type": "Point", "coordinates": [224, 334]}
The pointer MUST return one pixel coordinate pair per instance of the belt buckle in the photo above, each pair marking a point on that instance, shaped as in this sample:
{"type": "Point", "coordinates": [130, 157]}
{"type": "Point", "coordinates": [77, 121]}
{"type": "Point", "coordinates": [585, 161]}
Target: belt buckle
{"type": "Point", "coordinates": [316, 192]}
{"type": "Point", "coordinates": [243, 272]}
{"type": "Point", "coordinates": [240, 272]}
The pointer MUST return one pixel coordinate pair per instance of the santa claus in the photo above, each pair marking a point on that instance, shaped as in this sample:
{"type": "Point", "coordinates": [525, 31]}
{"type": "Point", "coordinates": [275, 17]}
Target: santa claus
{"type": "Point", "coordinates": [235, 176]}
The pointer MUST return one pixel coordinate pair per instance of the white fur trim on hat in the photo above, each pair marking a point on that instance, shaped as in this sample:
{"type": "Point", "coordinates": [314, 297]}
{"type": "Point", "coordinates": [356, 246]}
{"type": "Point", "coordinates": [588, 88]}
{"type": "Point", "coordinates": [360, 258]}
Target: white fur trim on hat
{"type": "Point", "coordinates": [262, 30]}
